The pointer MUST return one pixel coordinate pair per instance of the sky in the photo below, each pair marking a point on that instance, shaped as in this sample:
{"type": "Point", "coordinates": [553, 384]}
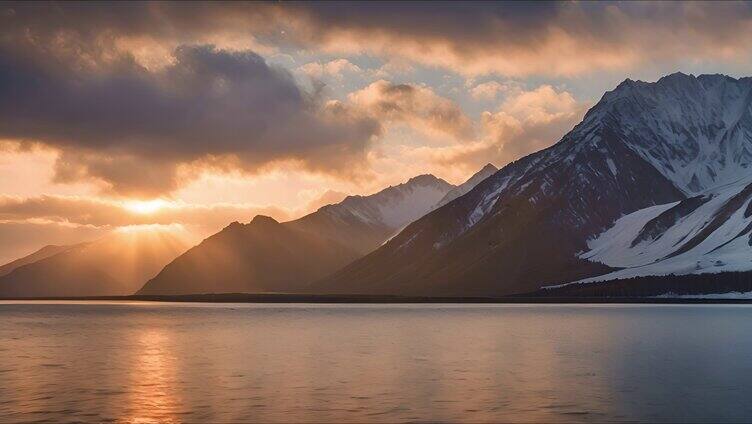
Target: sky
{"type": "Point", "coordinates": [194, 115]}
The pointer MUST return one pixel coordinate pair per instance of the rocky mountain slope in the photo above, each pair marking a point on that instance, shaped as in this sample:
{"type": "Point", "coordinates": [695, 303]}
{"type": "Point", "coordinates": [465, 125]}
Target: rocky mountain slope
{"type": "Point", "coordinates": [642, 145]}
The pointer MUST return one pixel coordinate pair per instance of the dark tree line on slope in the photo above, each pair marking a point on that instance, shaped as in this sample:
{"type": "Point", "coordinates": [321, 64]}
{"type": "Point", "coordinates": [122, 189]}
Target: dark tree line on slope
{"type": "Point", "coordinates": [696, 284]}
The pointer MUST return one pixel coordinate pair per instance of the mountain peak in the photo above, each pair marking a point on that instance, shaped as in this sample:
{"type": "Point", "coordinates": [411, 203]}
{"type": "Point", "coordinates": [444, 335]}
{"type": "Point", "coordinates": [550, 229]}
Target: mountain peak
{"type": "Point", "coordinates": [424, 179]}
{"type": "Point", "coordinates": [692, 129]}
{"type": "Point", "coordinates": [233, 225]}
{"type": "Point", "coordinates": [263, 219]}
{"type": "Point", "coordinates": [676, 76]}
{"type": "Point", "coordinates": [629, 84]}
{"type": "Point", "coordinates": [468, 185]}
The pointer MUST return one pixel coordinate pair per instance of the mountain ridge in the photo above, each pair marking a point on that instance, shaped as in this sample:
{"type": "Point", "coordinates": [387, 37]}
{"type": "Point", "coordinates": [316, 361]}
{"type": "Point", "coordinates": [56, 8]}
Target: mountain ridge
{"type": "Point", "coordinates": [268, 256]}
{"type": "Point", "coordinates": [44, 252]}
{"type": "Point", "coordinates": [116, 264]}
{"type": "Point", "coordinates": [643, 144]}
{"type": "Point", "coordinates": [462, 189]}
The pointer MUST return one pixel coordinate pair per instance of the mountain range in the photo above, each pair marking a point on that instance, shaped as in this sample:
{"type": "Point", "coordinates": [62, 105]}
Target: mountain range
{"type": "Point", "coordinates": [267, 256]}
{"type": "Point", "coordinates": [653, 181]}
{"type": "Point", "coordinates": [43, 253]}
{"type": "Point", "coordinates": [651, 193]}
{"type": "Point", "coordinates": [117, 264]}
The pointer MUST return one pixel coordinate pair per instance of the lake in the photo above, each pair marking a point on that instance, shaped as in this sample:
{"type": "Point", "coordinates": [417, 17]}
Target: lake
{"type": "Point", "coordinates": [170, 362]}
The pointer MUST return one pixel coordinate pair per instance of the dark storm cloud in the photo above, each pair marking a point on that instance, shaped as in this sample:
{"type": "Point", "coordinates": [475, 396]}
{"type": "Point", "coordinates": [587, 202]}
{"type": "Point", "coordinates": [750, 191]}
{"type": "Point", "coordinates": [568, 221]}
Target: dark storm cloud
{"type": "Point", "coordinates": [468, 20]}
{"type": "Point", "coordinates": [522, 38]}
{"type": "Point", "coordinates": [513, 38]}
{"type": "Point", "coordinates": [208, 104]}
{"type": "Point", "coordinates": [74, 75]}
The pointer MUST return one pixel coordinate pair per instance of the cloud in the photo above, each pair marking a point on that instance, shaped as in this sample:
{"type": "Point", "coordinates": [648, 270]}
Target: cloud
{"type": "Point", "coordinates": [392, 68]}
{"type": "Point", "coordinates": [415, 105]}
{"type": "Point", "coordinates": [529, 38]}
{"type": "Point", "coordinates": [107, 213]}
{"type": "Point", "coordinates": [506, 38]}
{"type": "Point", "coordinates": [490, 90]}
{"type": "Point", "coordinates": [143, 131]}
{"type": "Point", "coordinates": [96, 33]}
{"type": "Point", "coordinates": [335, 68]}
{"type": "Point", "coordinates": [532, 120]}
{"type": "Point", "coordinates": [132, 95]}
{"type": "Point", "coordinates": [525, 122]}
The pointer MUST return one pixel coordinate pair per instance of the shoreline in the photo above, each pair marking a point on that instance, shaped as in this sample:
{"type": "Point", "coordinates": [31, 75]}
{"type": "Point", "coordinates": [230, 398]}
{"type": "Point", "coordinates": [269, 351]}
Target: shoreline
{"type": "Point", "coordinates": [367, 299]}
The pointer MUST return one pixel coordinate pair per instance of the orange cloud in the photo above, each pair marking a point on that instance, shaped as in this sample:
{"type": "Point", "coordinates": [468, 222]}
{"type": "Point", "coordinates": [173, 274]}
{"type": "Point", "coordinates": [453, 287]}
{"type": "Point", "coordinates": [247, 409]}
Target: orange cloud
{"type": "Point", "coordinates": [490, 90]}
{"type": "Point", "coordinates": [553, 39]}
{"type": "Point", "coordinates": [98, 212]}
{"type": "Point", "coordinates": [509, 38]}
{"type": "Point", "coordinates": [144, 132]}
{"type": "Point", "coordinates": [415, 105]}
{"type": "Point", "coordinates": [525, 122]}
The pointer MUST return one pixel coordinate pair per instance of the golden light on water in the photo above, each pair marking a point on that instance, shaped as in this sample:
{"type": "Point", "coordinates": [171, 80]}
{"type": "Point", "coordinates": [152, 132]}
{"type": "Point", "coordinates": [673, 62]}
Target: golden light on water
{"type": "Point", "coordinates": [153, 398]}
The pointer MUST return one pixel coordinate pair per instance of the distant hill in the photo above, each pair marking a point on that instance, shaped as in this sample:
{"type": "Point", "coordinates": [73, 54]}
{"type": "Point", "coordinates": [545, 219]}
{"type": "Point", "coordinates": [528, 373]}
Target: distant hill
{"type": "Point", "coordinates": [117, 264]}
{"type": "Point", "coordinates": [40, 254]}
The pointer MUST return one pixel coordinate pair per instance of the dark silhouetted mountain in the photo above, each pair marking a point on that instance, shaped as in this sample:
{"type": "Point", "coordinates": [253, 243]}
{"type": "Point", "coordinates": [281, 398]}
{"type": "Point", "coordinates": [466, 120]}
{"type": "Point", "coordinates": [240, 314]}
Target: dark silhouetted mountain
{"type": "Point", "coordinates": [40, 254]}
{"type": "Point", "coordinates": [117, 264]}
{"type": "Point", "coordinates": [261, 256]}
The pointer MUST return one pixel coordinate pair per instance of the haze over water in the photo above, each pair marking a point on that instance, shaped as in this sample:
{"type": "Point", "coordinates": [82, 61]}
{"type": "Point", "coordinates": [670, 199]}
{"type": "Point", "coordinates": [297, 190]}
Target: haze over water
{"type": "Point", "coordinates": [153, 362]}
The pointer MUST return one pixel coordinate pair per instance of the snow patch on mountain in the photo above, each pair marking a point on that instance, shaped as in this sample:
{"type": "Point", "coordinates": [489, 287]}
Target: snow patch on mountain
{"type": "Point", "coordinates": [714, 237]}
{"type": "Point", "coordinates": [395, 206]}
{"type": "Point", "coordinates": [413, 203]}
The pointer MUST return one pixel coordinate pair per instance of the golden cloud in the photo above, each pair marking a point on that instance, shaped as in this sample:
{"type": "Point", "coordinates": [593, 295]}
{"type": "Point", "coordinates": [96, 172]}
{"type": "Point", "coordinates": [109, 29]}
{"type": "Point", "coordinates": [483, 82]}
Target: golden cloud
{"type": "Point", "coordinates": [415, 105]}
{"type": "Point", "coordinates": [525, 122]}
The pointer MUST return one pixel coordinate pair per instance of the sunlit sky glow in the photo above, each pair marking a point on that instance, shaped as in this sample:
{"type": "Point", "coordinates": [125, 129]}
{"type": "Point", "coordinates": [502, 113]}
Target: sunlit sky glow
{"type": "Point", "coordinates": [120, 115]}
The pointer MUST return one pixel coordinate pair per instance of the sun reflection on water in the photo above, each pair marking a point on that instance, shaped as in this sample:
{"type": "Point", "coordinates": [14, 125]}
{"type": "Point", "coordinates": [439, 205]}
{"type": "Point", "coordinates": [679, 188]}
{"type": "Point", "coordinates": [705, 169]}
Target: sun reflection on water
{"type": "Point", "coordinates": [152, 398]}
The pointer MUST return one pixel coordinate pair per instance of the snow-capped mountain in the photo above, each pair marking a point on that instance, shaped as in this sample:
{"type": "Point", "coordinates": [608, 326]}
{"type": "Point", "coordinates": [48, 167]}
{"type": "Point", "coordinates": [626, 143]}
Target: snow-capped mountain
{"type": "Point", "coordinates": [468, 185]}
{"type": "Point", "coordinates": [364, 222]}
{"type": "Point", "coordinates": [695, 131]}
{"type": "Point", "coordinates": [527, 226]}
{"type": "Point", "coordinates": [267, 256]}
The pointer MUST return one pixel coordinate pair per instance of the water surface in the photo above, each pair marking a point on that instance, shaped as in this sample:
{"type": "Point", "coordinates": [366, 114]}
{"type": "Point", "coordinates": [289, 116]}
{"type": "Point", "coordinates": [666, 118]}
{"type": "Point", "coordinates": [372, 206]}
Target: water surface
{"type": "Point", "coordinates": [163, 362]}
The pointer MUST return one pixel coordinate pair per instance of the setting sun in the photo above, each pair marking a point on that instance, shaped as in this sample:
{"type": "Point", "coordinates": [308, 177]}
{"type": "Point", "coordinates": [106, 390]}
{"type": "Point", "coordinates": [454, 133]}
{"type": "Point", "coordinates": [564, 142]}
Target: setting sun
{"type": "Point", "coordinates": [145, 207]}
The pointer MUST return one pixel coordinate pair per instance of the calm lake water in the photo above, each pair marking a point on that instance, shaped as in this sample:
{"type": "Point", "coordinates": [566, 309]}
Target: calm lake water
{"type": "Point", "coordinates": [152, 362]}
